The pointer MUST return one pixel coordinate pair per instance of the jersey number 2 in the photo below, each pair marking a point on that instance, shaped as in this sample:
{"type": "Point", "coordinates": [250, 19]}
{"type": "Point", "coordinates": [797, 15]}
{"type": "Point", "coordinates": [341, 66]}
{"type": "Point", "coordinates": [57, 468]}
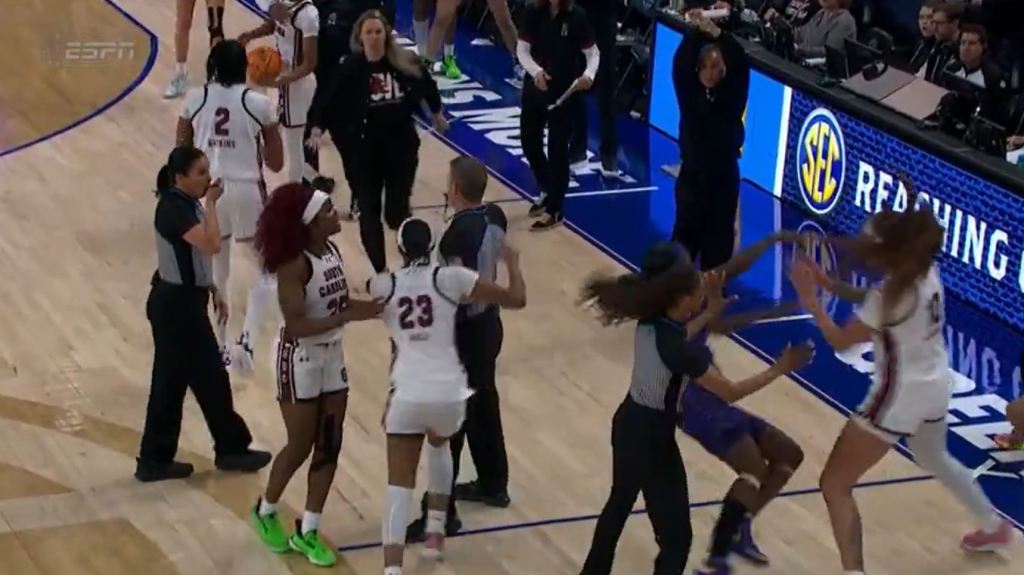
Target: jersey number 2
{"type": "Point", "coordinates": [220, 125]}
{"type": "Point", "coordinates": [422, 306]}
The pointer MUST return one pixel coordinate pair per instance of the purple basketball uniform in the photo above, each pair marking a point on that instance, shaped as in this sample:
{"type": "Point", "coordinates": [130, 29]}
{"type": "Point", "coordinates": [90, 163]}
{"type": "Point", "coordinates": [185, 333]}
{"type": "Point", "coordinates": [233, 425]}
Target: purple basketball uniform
{"type": "Point", "coordinates": [714, 423]}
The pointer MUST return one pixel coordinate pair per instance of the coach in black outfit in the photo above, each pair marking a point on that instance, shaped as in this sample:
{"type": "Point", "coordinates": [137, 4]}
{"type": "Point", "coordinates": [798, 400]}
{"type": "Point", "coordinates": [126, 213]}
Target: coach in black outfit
{"type": "Point", "coordinates": [711, 74]}
{"type": "Point", "coordinates": [604, 23]}
{"type": "Point", "coordinates": [551, 39]}
{"type": "Point", "coordinates": [337, 17]}
{"type": "Point", "coordinates": [473, 240]}
{"type": "Point", "coordinates": [369, 109]}
{"type": "Point", "coordinates": [186, 353]}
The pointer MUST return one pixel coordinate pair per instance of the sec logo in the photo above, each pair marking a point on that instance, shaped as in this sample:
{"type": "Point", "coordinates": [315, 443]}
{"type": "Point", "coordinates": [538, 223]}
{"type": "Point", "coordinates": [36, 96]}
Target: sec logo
{"type": "Point", "coordinates": [821, 161]}
{"type": "Point", "coordinates": [817, 248]}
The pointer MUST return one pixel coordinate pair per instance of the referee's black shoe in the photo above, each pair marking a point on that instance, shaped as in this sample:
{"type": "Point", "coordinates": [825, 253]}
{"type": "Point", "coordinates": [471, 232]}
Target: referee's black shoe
{"type": "Point", "coordinates": [471, 491]}
{"type": "Point", "coordinates": [148, 472]}
{"type": "Point", "coordinates": [417, 530]}
{"type": "Point", "coordinates": [246, 461]}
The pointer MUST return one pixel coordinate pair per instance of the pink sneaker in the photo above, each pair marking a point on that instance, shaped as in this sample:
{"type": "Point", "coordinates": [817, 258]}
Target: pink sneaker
{"type": "Point", "coordinates": [433, 546]}
{"type": "Point", "coordinates": [981, 540]}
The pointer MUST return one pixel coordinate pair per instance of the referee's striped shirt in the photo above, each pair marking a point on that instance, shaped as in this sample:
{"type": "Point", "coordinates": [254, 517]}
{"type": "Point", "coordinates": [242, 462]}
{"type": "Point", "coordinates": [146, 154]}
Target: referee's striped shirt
{"type": "Point", "coordinates": [664, 361]}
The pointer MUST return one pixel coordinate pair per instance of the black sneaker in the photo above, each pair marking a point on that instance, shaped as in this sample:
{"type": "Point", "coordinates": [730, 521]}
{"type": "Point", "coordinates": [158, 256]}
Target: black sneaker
{"type": "Point", "coordinates": [548, 222]}
{"type": "Point", "coordinates": [150, 472]}
{"type": "Point", "coordinates": [417, 530]}
{"type": "Point", "coordinates": [247, 461]}
{"type": "Point", "coordinates": [610, 168]}
{"type": "Point", "coordinates": [537, 210]}
{"type": "Point", "coordinates": [472, 491]}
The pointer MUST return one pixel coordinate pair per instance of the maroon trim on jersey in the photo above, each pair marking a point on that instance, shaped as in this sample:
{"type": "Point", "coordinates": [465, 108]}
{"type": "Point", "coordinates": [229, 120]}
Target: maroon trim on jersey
{"type": "Point", "coordinates": [883, 401]}
{"type": "Point", "coordinates": [262, 183]}
{"type": "Point", "coordinates": [286, 369]}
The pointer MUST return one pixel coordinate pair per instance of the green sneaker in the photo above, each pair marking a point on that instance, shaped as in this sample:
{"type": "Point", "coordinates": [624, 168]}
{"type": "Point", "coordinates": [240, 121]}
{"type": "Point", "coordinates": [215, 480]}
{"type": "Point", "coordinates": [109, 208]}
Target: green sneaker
{"type": "Point", "coordinates": [451, 69]}
{"type": "Point", "coordinates": [269, 528]}
{"type": "Point", "coordinates": [310, 545]}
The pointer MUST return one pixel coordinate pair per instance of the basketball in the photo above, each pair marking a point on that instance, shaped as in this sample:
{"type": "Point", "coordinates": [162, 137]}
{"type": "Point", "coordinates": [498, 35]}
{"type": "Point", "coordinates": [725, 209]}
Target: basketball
{"type": "Point", "coordinates": [264, 64]}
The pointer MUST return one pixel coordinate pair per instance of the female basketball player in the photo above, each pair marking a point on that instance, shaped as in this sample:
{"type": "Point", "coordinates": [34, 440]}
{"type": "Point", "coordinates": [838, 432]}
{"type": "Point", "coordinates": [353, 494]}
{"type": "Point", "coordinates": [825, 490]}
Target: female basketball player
{"type": "Point", "coordinates": [645, 456]}
{"type": "Point", "coordinates": [292, 236]}
{"type": "Point", "coordinates": [236, 128]}
{"type": "Point", "coordinates": [429, 388]}
{"type": "Point", "coordinates": [369, 111]}
{"type": "Point", "coordinates": [296, 27]}
{"type": "Point", "coordinates": [429, 38]}
{"type": "Point", "coordinates": [182, 28]}
{"type": "Point", "coordinates": [909, 396]}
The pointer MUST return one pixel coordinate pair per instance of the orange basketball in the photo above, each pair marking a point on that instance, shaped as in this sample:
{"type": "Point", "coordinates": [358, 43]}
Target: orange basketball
{"type": "Point", "coordinates": [264, 64]}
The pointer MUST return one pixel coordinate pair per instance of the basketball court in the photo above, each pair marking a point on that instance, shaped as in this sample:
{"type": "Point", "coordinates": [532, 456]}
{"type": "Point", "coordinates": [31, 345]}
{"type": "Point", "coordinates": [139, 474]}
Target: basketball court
{"type": "Point", "coordinates": [83, 131]}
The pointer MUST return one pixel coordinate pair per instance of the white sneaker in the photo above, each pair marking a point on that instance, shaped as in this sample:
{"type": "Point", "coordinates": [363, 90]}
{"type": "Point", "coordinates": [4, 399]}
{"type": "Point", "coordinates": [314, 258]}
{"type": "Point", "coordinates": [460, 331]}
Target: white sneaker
{"type": "Point", "coordinates": [177, 87]}
{"type": "Point", "coordinates": [433, 547]}
{"type": "Point", "coordinates": [241, 356]}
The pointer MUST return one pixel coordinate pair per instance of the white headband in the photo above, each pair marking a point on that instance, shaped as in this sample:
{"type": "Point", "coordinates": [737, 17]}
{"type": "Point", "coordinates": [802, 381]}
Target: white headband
{"type": "Point", "coordinates": [313, 207]}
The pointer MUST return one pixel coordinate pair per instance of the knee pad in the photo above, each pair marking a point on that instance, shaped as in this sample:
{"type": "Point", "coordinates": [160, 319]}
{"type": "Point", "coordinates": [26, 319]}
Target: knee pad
{"type": "Point", "coordinates": [751, 479]}
{"type": "Point", "coordinates": [440, 468]}
{"type": "Point", "coordinates": [396, 517]}
{"type": "Point", "coordinates": [328, 445]}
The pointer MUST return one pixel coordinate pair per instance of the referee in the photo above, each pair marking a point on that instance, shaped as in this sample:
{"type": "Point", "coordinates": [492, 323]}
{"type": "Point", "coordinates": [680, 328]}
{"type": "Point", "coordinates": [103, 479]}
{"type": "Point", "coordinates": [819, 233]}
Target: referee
{"type": "Point", "coordinates": [474, 240]}
{"type": "Point", "coordinates": [551, 39]}
{"type": "Point", "coordinates": [186, 353]}
{"type": "Point", "coordinates": [711, 74]}
{"type": "Point", "coordinates": [645, 455]}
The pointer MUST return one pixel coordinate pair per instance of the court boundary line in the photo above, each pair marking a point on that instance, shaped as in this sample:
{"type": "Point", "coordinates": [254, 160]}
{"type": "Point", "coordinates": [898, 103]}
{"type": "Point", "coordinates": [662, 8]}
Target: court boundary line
{"type": "Point", "coordinates": [642, 511]}
{"type": "Point", "coordinates": [154, 47]}
{"type": "Point", "coordinates": [515, 188]}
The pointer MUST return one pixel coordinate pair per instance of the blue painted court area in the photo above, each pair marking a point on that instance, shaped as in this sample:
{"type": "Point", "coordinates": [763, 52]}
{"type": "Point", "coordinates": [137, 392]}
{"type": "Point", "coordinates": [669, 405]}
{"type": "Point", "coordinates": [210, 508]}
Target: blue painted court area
{"type": "Point", "coordinates": [623, 217]}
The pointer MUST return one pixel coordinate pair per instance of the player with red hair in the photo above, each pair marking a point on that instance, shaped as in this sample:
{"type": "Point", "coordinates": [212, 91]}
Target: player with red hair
{"type": "Point", "coordinates": [293, 239]}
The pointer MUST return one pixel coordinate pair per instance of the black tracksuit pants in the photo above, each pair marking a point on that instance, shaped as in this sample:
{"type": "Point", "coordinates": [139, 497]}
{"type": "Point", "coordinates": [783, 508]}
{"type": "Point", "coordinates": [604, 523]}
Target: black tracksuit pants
{"type": "Point", "coordinates": [186, 356]}
{"type": "Point", "coordinates": [551, 170]}
{"type": "Point", "coordinates": [645, 458]}
{"type": "Point", "coordinates": [479, 343]}
{"type": "Point", "coordinates": [381, 171]}
{"type": "Point", "coordinates": [707, 197]}
{"type": "Point", "coordinates": [603, 21]}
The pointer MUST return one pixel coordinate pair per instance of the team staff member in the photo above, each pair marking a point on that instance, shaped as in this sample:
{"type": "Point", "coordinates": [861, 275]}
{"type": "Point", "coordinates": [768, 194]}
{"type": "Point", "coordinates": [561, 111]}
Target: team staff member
{"type": "Point", "coordinates": [185, 349]}
{"type": "Point", "coordinates": [475, 239]}
{"type": "Point", "coordinates": [369, 110]}
{"type": "Point", "coordinates": [665, 298]}
{"type": "Point", "coordinates": [604, 23]}
{"type": "Point", "coordinates": [711, 74]}
{"type": "Point", "coordinates": [550, 40]}
{"type": "Point", "coordinates": [336, 20]}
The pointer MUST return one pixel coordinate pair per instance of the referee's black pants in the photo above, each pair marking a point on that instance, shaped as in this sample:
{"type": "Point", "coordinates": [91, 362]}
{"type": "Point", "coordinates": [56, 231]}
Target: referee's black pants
{"type": "Point", "coordinates": [645, 458]}
{"type": "Point", "coordinates": [551, 170]}
{"type": "Point", "coordinates": [186, 356]}
{"type": "Point", "coordinates": [385, 169]}
{"type": "Point", "coordinates": [707, 197]}
{"type": "Point", "coordinates": [603, 21]}
{"type": "Point", "coordinates": [479, 342]}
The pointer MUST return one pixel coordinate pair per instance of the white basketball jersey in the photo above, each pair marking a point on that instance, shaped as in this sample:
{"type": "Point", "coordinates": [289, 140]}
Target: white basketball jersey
{"type": "Point", "coordinates": [303, 22]}
{"type": "Point", "coordinates": [420, 311]}
{"type": "Point", "coordinates": [909, 347]}
{"type": "Point", "coordinates": [227, 123]}
{"type": "Point", "coordinates": [326, 291]}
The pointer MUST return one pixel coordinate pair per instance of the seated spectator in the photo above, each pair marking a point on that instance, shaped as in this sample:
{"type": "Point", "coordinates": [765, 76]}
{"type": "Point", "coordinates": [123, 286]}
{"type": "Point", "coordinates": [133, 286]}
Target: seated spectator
{"type": "Point", "coordinates": [831, 26]}
{"type": "Point", "coordinates": [927, 43]}
{"type": "Point", "coordinates": [973, 62]}
{"type": "Point", "coordinates": [946, 28]}
{"type": "Point", "coordinates": [796, 12]}
{"type": "Point", "coordinates": [1015, 125]}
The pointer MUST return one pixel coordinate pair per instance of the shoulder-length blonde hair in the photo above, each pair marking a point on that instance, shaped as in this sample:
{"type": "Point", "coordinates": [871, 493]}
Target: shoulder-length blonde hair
{"type": "Point", "coordinates": [405, 61]}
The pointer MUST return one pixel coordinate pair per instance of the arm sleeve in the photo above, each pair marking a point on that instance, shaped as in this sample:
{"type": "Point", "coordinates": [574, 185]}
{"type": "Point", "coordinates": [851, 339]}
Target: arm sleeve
{"type": "Point", "coordinates": [174, 219]}
{"type": "Point", "coordinates": [684, 67]}
{"type": "Point", "coordinates": [317, 117]}
{"type": "Point", "coordinates": [738, 77]}
{"type": "Point", "coordinates": [431, 95]}
{"type": "Point", "coordinates": [870, 312]}
{"type": "Point", "coordinates": [526, 59]}
{"type": "Point", "coordinates": [682, 357]}
{"type": "Point", "coordinates": [593, 61]}
{"type": "Point", "coordinates": [456, 282]}
{"type": "Point", "coordinates": [307, 21]}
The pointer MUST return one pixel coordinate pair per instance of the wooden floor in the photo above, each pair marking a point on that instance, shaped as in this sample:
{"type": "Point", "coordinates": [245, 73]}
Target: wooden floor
{"type": "Point", "coordinates": [76, 251]}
